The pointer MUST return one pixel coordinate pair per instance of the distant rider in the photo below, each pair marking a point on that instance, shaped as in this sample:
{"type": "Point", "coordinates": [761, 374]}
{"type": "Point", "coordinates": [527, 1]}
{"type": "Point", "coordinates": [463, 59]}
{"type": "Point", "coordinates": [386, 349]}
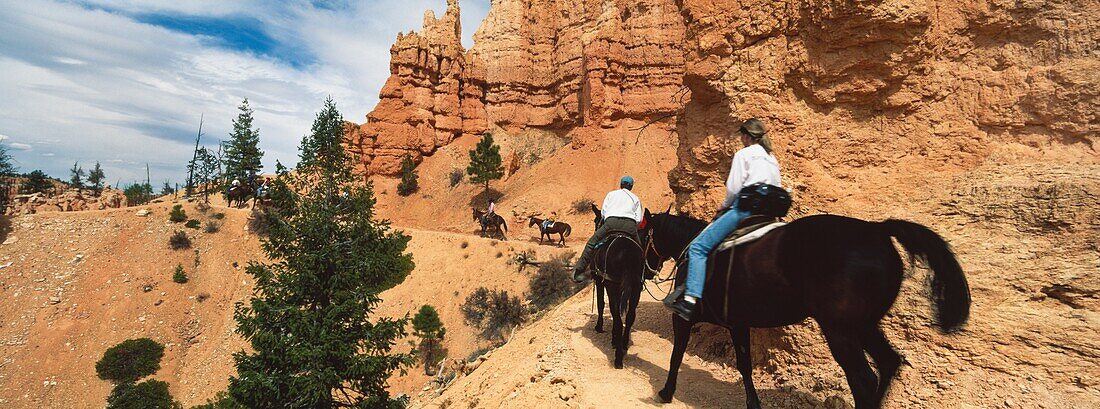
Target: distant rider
{"type": "Point", "coordinates": [754, 163]}
{"type": "Point", "coordinates": [549, 222]}
{"type": "Point", "coordinates": [622, 211]}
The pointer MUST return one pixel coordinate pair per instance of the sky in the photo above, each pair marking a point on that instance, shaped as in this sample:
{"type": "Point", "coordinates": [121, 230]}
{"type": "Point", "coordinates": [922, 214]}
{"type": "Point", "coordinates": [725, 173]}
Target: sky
{"type": "Point", "coordinates": [124, 82]}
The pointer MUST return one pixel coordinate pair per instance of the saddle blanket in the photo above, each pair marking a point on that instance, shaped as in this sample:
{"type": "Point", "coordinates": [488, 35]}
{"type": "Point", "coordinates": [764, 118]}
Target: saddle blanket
{"type": "Point", "coordinates": [736, 240]}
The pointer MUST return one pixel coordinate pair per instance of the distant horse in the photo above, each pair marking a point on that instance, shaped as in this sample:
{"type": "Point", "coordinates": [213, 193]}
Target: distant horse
{"type": "Point", "coordinates": [843, 272]}
{"type": "Point", "coordinates": [239, 194]}
{"type": "Point", "coordinates": [562, 229]}
{"type": "Point", "coordinates": [620, 260]}
{"type": "Point", "coordinates": [491, 224]}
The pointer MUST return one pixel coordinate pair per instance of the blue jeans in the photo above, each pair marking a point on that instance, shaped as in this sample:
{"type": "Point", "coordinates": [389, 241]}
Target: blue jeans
{"type": "Point", "coordinates": [701, 246]}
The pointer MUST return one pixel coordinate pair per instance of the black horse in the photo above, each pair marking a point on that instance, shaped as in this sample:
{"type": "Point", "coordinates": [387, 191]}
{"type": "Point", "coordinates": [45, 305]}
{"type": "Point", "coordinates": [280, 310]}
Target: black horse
{"type": "Point", "coordinates": [562, 229]}
{"type": "Point", "coordinates": [845, 273]}
{"type": "Point", "coordinates": [491, 224]}
{"type": "Point", "coordinates": [618, 267]}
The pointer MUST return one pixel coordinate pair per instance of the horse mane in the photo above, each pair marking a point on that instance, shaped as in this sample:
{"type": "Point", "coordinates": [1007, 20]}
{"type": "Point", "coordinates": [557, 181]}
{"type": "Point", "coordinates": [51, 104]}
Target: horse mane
{"type": "Point", "coordinates": [681, 229]}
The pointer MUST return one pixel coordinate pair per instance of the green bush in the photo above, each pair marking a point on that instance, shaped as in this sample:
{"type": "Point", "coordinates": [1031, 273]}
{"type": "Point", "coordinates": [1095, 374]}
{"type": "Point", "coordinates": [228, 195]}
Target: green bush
{"type": "Point", "coordinates": [430, 330]}
{"type": "Point", "coordinates": [179, 276]}
{"type": "Point", "coordinates": [151, 394]}
{"type": "Point", "coordinates": [409, 183]}
{"type": "Point", "coordinates": [177, 215]}
{"type": "Point", "coordinates": [493, 312]}
{"type": "Point", "coordinates": [218, 216]}
{"type": "Point", "coordinates": [193, 224]}
{"type": "Point", "coordinates": [456, 177]}
{"type": "Point", "coordinates": [179, 241]}
{"type": "Point", "coordinates": [130, 360]}
{"type": "Point", "coordinates": [552, 283]}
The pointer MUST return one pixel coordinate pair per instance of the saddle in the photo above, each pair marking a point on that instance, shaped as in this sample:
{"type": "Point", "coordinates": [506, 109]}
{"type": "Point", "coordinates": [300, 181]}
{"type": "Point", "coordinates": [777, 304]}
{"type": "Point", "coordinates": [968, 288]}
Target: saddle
{"type": "Point", "coordinates": [547, 224]}
{"type": "Point", "coordinates": [595, 267]}
{"type": "Point", "coordinates": [751, 229]}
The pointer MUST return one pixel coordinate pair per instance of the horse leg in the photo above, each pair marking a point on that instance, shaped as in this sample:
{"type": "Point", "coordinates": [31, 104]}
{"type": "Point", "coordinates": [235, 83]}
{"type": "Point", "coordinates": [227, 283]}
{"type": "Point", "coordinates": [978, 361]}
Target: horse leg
{"type": "Point", "coordinates": [845, 345]}
{"type": "Point", "coordinates": [616, 324]}
{"type": "Point", "coordinates": [631, 311]}
{"type": "Point", "coordinates": [681, 333]}
{"type": "Point", "coordinates": [886, 360]}
{"type": "Point", "coordinates": [562, 241]}
{"type": "Point", "coordinates": [742, 344]}
{"type": "Point", "coordinates": [599, 306]}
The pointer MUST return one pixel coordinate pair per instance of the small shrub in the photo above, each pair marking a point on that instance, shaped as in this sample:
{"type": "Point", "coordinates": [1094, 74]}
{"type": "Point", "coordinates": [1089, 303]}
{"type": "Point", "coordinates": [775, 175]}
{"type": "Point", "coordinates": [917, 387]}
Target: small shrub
{"type": "Point", "coordinates": [218, 216]}
{"type": "Point", "coordinates": [150, 394]}
{"type": "Point", "coordinates": [456, 177]}
{"type": "Point", "coordinates": [202, 207]}
{"type": "Point", "coordinates": [430, 330]}
{"type": "Point", "coordinates": [552, 283]}
{"type": "Point", "coordinates": [177, 215]}
{"type": "Point", "coordinates": [582, 206]}
{"type": "Point", "coordinates": [493, 312]}
{"type": "Point", "coordinates": [193, 224]}
{"type": "Point", "coordinates": [179, 276]}
{"type": "Point", "coordinates": [212, 227]}
{"type": "Point", "coordinates": [130, 360]}
{"type": "Point", "coordinates": [465, 244]}
{"type": "Point", "coordinates": [179, 241]}
{"type": "Point", "coordinates": [409, 183]}
{"type": "Point", "coordinates": [477, 354]}
{"type": "Point", "coordinates": [202, 297]}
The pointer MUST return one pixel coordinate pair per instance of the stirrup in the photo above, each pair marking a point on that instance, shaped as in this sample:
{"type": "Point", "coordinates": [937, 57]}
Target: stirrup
{"type": "Point", "coordinates": [676, 294]}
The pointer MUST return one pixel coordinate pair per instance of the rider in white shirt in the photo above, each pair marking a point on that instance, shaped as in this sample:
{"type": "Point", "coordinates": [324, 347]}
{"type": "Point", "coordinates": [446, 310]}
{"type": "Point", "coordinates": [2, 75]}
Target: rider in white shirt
{"type": "Point", "coordinates": [622, 211]}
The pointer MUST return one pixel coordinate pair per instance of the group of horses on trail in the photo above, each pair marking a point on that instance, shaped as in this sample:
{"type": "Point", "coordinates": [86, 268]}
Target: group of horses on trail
{"type": "Point", "coordinates": [493, 225]}
{"type": "Point", "coordinates": [241, 193]}
{"type": "Point", "coordinates": [845, 273]}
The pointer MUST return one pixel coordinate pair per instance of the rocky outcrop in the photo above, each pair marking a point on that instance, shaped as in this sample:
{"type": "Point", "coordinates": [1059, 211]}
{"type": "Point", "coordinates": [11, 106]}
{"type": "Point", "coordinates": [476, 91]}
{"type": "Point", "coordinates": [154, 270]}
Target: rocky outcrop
{"type": "Point", "coordinates": [552, 65]}
{"type": "Point", "coordinates": [71, 200]}
{"type": "Point", "coordinates": [434, 95]}
{"type": "Point", "coordinates": [850, 87]}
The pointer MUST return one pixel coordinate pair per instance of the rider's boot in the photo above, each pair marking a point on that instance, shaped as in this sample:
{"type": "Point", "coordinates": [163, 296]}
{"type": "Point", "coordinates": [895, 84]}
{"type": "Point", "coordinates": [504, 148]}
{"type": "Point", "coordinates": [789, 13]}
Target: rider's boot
{"type": "Point", "coordinates": [681, 304]}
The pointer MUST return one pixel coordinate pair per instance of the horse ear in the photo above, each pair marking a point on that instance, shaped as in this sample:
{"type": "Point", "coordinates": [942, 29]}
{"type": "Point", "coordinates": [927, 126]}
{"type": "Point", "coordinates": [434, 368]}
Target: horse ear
{"type": "Point", "coordinates": [669, 211]}
{"type": "Point", "coordinates": [647, 213]}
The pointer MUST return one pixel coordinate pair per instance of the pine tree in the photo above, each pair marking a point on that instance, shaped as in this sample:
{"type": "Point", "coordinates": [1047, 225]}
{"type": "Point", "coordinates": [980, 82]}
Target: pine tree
{"type": "Point", "coordinates": [314, 340]}
{"type": "Point", "coordinates": [7, 177]}
{"type": "Point", "coordinates": [37, 182]}
{"type": "Point", "coordinates": [485, 162]}
{"type": "Point", "coordinates": [76, 176]}
{"type": "Point", "coordinates": [430, 330]}
{"type": "Point", "coordinates": [167, 189]}
{"type": "Point", "coordinates": [409, 183]}
{"type": "Point", "coordinates": [6, 166]}
{"type": "Point", "coordinates": [243, 156]}
{"type": "Point", "coordinates": [96, 178]}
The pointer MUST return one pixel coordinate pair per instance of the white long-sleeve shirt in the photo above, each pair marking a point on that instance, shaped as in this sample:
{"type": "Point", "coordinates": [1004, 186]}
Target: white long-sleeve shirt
{"type": "Point", "coordinates": [622, 203]}
{"type": "Point", "coordinates": [752, 164]}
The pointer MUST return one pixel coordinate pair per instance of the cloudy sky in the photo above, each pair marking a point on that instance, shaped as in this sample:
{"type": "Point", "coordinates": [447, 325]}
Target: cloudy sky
{"type": "Point", "coordinates": [123, 82]}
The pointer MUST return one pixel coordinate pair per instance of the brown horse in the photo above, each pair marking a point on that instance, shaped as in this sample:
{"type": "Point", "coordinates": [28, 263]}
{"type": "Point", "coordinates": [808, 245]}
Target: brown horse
{"type": "Point", "coordinates": [240, 194]}
{"type": "Point", "coordinates": [491, 224]}
{"type": "Point", "coordinates": [845, 273]}
{"type": "Point", "coordinates": [562, 229]}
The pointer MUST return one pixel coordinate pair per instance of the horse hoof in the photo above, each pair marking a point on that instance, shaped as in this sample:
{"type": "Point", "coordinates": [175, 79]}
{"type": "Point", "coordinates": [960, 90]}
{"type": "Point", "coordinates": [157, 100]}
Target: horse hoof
{"type": "Point", "coordinates": [599, 329]}
{"type": "Point", "coordinates": [618, 365]}
{"type": "Point", "coordinates": [663, 397]}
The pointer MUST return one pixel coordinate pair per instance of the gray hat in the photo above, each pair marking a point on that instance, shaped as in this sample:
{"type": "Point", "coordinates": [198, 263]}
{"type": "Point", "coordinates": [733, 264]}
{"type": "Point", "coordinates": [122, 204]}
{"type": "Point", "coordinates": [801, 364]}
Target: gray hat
{"type": "Point", "coordinates": [753, 127]}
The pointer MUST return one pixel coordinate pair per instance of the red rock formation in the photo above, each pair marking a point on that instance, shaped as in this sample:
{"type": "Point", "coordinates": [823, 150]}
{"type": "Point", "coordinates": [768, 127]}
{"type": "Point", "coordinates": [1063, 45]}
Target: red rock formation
{"type": "Point", "coordinates": [431, 97]}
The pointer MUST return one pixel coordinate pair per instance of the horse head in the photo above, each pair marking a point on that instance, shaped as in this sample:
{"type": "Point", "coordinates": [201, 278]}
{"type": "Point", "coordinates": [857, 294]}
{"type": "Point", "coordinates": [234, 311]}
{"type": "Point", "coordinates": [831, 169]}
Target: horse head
{"type": "Point", "coordinates": [532, 221]}
{"type": "Point", "coordinates": [477, 214]}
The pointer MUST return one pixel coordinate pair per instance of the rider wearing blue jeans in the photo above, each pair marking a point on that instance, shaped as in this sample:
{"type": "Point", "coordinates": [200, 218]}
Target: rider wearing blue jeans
{"type": "Point", "coordinates": [752, 164]}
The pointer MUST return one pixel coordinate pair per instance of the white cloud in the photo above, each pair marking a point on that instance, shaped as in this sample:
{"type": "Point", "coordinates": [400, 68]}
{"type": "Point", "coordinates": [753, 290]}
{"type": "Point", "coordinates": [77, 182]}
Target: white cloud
{"type": "Point", "coordinates": [92, 84]}
{"type": "Point", "coordinates": [20, 146]}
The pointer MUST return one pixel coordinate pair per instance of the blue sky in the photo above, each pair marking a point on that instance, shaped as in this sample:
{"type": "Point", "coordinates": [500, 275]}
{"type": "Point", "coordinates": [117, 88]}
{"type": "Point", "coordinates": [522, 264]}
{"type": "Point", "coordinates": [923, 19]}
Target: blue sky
{"type": "Point", "coordinates": [123, 82]}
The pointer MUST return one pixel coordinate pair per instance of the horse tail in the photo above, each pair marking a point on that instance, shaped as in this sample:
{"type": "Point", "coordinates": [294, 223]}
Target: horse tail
{"type": "Point", "coordinates": [504, 223]}
{"type": "Point", "coordinates": [568, 229]}
{"type": "Point", "coordinates": [950, 293]}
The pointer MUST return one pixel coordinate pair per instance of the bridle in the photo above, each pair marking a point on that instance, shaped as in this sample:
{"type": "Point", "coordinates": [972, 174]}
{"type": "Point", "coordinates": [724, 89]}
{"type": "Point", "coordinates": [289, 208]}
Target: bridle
{"type": "Point", "coordinates": [645, 254]}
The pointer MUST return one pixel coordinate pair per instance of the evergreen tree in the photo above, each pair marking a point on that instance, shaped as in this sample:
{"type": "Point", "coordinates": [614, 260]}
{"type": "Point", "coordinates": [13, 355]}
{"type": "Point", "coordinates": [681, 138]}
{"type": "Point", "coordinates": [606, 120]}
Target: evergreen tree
{"type": "Point", "coordinates": [37, 182]}
{"type": "Point", "coordinates": [243, 156]}
{"type": "Point", "coordinates": [76, 176]}
{"type": "Point", "coordinates": [6, 166]}
{"type": "Point", "coordinates": [138, 194]}
{"type": "Point", "coordinates": [96, 178]}
{"type": "Point", "coordinates": [430, 330]}
{"type": "Point", "coordinates": [485, 162]}
{"type": "Point", "coordinates": [204, 167]}
{"type": "Point", "coordinates": [409, 183]}
{"type": "Point", "coordinates": [167, 189]}
{"type": "Point", "coordinates": [314, 340]}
